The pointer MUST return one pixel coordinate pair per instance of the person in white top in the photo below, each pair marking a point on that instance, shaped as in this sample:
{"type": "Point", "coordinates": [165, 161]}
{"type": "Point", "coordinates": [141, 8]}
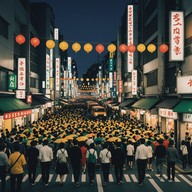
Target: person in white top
{"type": "Point", "coordinates": [45, 156]}
{"type": "Point", "coordinates": [130, 152]}
{"type": "Point", "coordinates": [105, 156]}
{"type": "Point", "coordinates": [150, 156]}
{"type": "Point", "coordinates": [141, 157]}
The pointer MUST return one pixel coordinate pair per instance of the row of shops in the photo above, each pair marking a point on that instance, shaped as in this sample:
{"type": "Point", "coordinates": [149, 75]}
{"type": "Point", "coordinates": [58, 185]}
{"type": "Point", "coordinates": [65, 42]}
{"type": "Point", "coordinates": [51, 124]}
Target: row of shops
{"type": "Point", "coordinates": [15, 112]}
{"type": "Point", "coordinates": [170, 115]}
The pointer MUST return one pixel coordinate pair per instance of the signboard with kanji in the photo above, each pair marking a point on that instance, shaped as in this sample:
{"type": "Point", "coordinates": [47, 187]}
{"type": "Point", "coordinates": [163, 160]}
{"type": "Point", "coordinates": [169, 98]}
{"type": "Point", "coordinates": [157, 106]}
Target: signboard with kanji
{"type": "Point", "coordinates": [57, 74]}
{"type": "Point", "coordinates": [111, 65]}
{"type": "Point", "coordinates": [176, 51]}
{"type": "Point", "coordinates": [184, 84]}
{"type": "Point", "coordinates": [20, 94]}
{"type": "Point", "coordinates": [12, 81]}
{"type": "Point", "coordinates": [21, 73]}
{"type": "Point", "coordinates": [134, 82]}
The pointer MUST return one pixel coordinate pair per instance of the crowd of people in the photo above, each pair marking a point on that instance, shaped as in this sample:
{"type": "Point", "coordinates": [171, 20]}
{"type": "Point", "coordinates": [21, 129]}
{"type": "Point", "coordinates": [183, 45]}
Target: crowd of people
{"type": "Point", "coordinates": [70, 138]}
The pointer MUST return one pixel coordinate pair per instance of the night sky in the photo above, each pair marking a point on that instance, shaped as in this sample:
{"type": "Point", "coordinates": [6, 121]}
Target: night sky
{"type": "Point", "coordinates": [87, 21]}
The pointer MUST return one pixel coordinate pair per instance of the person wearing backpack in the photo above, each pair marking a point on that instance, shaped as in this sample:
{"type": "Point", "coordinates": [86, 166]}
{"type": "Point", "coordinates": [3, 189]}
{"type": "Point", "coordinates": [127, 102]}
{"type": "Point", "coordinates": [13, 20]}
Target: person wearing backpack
{"type": "Point", "coordinates": [184, 154]}
{"type": "Point", "coordinates": [92, 157]}
{"type": "Point", "coordinates": [61, 164]}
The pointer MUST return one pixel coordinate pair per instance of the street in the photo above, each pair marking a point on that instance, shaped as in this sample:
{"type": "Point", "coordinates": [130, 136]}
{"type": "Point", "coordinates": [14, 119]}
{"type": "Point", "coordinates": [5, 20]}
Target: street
{"type": "Point", "coordinates": [183, 182]}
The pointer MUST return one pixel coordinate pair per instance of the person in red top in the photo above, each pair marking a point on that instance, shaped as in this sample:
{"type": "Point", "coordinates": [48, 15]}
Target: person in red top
{"type": "Point", "coordinates": [155, 143]}
{"type": "Point", "coordinates": [166, 142]}
{"type": "Point", "coordinates": [83, 152]}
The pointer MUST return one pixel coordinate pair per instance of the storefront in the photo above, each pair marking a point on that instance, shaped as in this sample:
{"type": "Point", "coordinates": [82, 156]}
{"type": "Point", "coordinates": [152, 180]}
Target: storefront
{"type": "Point", "coordinates": [145, 111]}
{"type": "Point", "coordinates": [124, 107]}
{"type": "Point", "coordinates": [186, 125]}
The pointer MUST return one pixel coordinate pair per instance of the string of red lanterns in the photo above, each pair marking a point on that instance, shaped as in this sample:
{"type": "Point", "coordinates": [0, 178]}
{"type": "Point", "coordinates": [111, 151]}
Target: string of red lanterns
{"type": "Point", "coordinates": [20, 39]}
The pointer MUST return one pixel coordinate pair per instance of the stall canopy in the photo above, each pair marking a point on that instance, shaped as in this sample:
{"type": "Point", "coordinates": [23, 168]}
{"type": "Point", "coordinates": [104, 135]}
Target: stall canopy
{"type": "Point", "coordinates": [126, 103]}
{"type": "Point", "coordinates": [146, 103]}
{"type": "Point", "coordinates": [168, 103]}
{"type": "Point", "coordinates": [40, 99]}
{"type": "Point", "coordinates": [184, 106]}
{"type": "Point", "coordinates": [12, 104]}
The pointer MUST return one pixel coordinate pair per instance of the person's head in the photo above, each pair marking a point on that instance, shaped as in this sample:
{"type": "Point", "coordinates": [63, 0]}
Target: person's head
{"type": "Point", "coordinates": [160, 141]}
{"type": "Point", "coordinates": [171, 142]}
{"type": "Point", "coordinates": [105, 145]}
{"type": "Point", "coordinates": [2, 146]}
{"type": "Point", "coordinates": [33, 143]}
{"type": "Point", "coordinates": [45, 142]}
{"type": "Point", "coordinates": [142, 140]}
{"type": "Point", "coordinates": [148, 142]}
{"type": "Point", "coordinates": [182, 142]}
{"type": "Point", "coordinates": [91, 145]}
{"type": "Point", "coordinates": [75, 142]}
{"type": "Point", "coordinates": [16, 146]}
{"type": "Point", "coordinates": [61, 145]}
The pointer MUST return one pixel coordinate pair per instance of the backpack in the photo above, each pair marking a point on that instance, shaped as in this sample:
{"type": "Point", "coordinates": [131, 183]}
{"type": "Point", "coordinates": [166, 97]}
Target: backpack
{"type": "Point", "coordinates": [184, 150]}
{"type": "Point", "coordinates": [92, 158]}
{"type": "Point", "coordinates": [62, 157]}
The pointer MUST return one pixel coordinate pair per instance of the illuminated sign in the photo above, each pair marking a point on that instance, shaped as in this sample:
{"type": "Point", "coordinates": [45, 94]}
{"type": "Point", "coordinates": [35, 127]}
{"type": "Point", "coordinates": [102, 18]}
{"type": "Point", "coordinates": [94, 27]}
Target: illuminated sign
{"type": "Point", "coordinates": [184, 84]}
{"type": "Point", "coordinates": [168, 113]}
{"type": "Point", "coordinates": [57, 74]}
{"type": "Point", "coordinates": [134, 82]}
{"type": "Point", "coordinates": [21, 73]}
{"type": "Point", "coordinates": [47, 71]}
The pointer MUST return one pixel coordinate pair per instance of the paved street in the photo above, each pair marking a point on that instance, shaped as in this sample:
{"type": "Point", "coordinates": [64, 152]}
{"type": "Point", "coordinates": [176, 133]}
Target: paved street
{"type": "Point", "coordinates": [183, 182]}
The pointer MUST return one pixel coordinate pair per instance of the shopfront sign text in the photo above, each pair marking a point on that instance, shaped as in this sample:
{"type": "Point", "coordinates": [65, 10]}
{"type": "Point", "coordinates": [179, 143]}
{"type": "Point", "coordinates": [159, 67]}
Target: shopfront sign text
{"type": "Point", "coordinates": [16, 114]}
{"type": "Point", "coordinates": [187, 117]}
{"type": "Point", "coordinates": [168, 113]}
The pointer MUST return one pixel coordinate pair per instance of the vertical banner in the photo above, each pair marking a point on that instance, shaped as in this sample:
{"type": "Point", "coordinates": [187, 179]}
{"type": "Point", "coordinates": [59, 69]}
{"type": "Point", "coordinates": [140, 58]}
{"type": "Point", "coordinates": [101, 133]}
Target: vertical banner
{"type": "Point", "coordinates": [134, 82]}
{"type": "Point", "coordinates": [21, 73]}
{"type": "Point", "coordinates": [110, 79]}
{"type": "Point", "coordinates": [51, 63]}
{"type": "Point", "coordinates": [176, 51]}
{"type": "Point", "coordinates": [56, 33]}
{"type": "Point", "coordinates": [47, 71]}
{"type": "Point", "coordinates": [57, 74]}
{"type": "Point", "coordinates": [111, 64]}
{"type": "Point", "coordinates": [12, 83]}
{"type": "Point", "coordinates": [130, 56]}
{"type": "Point", "coordinates": [120, 86]}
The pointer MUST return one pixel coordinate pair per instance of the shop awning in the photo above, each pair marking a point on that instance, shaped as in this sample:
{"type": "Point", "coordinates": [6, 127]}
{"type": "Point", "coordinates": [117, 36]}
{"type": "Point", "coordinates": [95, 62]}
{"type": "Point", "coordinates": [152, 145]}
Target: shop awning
{"type": "Point", "coordinates": [39, 99]}
{"type": "Point", "coordinates": [168, 103]}
{"type": "Point", "coordinates": [145, 103]}
{"type": "Point", "coordinates": [184, 106]}
{"type": "Point", "coordinates": [12, 104]}
{"type": "Point", "coordinates": [127, 102]}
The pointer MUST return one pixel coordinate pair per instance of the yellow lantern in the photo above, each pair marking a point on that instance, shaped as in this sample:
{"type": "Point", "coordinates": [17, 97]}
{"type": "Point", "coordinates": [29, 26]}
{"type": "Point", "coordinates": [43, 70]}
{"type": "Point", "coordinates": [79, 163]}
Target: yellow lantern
{"type": "Point", "coordinates": [50, 44]}
{"type": "Point", "coordinates": [96, 79]}
{"type": "Point", "coordinates": [151, 48]}
{"type": "Point", "coordinates": [76, 47]}
{"type": "Point", "coordinates": [63, 45]}
{"type": "Point", "coordinates": [87, 79]}
{"type": "Point", "coordinates": [111, 48]}
{"type": "Point", "coordinates": [81, 79]}
{"type": "Point", "coordinates": [88, 47]}
{"type": "Point", "coordinates": [92, 79]}
{"type": "Point", "coordinates": [141, 48]}
{"type": "Point", "coordinates": [77, 79]}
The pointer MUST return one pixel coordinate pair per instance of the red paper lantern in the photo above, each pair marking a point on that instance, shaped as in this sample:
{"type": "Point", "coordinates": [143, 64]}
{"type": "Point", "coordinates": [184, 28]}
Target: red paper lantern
{"type": "Point", "coordinates": [163, 48]}
{"type": "Point", "coordinates": [123, 48]}
{"type": "Point", "coordinates": [35, 41]}
{"type": "Point", "coordinates": [20, 39]}
{"type": "Point", "coordinates": [131, 48]}
{"type": "Point", "coordinates": [99, 48]}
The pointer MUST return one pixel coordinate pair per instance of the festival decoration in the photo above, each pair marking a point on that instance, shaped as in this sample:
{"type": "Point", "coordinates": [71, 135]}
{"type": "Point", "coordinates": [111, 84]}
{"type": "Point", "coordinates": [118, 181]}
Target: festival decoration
{"type": "Point", "coordinates": [20, 39]}
{"type": "Point", "coordinates": [123, 48]}
{"type": "Point", "coordinates": [131, 48]}
{"type": "Point", "coordinates": [99, 48]}
{"type": "Point", "coordinates": [151, 48]}
{"type": "Point", "coordinates": [63, 45]}
{"type": "Point", "coordinates": [111, 48]}
{"type": "Point", "coordinates": [76, 47]}
{"type": "Point", "coordinates": [141, 48]}
{"type": "Point", "coordinates": [35, 41]}
{"type": "Point", "coordinates": [163, 48]}
{"type": "Point", "coordinates": [50, 44]}
{"type": "Point", "coordinates": [88, 47]}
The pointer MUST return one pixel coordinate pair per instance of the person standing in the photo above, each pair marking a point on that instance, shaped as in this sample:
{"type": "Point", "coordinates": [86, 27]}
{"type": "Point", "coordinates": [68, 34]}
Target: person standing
{"type": "Point", "coordinates": [3, 165]}
{"type": "Point", "coordinates": [184, 154]}
{"type": "Point", "coordinates": [105, 156]}
{"type": "Point", "coordinates": [83, 160]}
{"type": "Point", "coordinates": [150, 156]}
{"type": "Point", "coordinates": [32, 154]}
{"type": "Point", "coordinates": [16, 161]}
{"type": "Point", "coordinates": [141, 157]}
{"type": "Point", "coordinates": [130, 152]}
{"type": "Point", "coordinates": [119, 161]}
{"type": "Point", "coordinates": [160, 154]}
{"type": "Point", "coordinates": [172, 156]}
{"type": "Point", "coordinates": [62, 163]}
{"type": "Point", "coordinates": [92, 157]}
{"type": "Point", "coordinates": [75, 158]}
{"type": "Point", "coordinates": [45, 156]}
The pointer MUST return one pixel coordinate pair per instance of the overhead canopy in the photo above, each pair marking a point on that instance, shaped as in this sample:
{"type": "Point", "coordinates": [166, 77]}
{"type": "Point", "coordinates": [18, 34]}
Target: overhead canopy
{"type": "Point", "coordinates": [39, 99]}
{"type": "Point", "coordinates": [146, 103]}
{"type": "Point", "coordinates": [12, 104]}
{"type": "Point", "coordinates": [127, 102]}
{"type": "Point", "coordinates": [184, 106]}
{"type": "Point", "coordinates": [168, 103]}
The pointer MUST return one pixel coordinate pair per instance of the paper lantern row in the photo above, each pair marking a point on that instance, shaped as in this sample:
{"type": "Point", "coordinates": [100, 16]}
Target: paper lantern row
{"type": "Point", "coordinates": [50, 44]}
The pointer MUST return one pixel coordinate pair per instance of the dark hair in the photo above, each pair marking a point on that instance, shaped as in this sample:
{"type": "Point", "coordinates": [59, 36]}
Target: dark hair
{"type": "Point", "coordinates": [182, 142]}
{"type": "Point", "coordinates": [45, 142]}
{"type": "Point", "coordinates": [171, 142]}
{"type": "Point", "coordinates": [75, 142]}
{"type": "Point", "coordinates": [61, 145]}
{"type": "Point", "coordinates": [91, 146]}
{"type": "Point", "coordinates": [142, 140]}
{"type": "Point", "coordinates": [2, 146]}
{"type": "Point", "coordinates": [33, 143]}
{"type": "Point", "coordinates": [16, 146]}
{"type": "Point", "coordinates": [148, 142]}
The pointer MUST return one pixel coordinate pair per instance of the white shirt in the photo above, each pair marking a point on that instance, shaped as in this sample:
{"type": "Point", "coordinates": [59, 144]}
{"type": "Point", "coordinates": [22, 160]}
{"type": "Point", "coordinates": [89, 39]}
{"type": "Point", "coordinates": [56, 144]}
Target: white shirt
{"type": "Point", "coordinates": [89, 141]}
{"type": "Point", "coordinates": [150, 151]}
{"type": "Point", "coordinates": [130, 150]}
{"type": "Point", "coordinates": [141, 152]}
{"type": "Point", "coordinates": [61, 151]}
{"type": "Point", "coordinates": [105, 156]}
{"type": "Point", "coordinates": [45, 154]}
{"type": "Point", "coordinates": [91, 151]}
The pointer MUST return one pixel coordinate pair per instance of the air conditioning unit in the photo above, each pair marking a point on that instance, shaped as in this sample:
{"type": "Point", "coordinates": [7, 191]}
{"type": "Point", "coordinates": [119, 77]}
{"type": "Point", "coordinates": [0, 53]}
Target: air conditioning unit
{"type": "Point", "coordinates": [166, 90]}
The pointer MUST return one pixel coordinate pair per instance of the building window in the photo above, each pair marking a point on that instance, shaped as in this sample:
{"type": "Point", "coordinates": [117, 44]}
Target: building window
{"type": "Point", "coordinates": [34, 83]}
{"type": "Point", "coordinates": [152, 78]}
{"type": "Point", "coordinates": [3, 81]}
{"type": "Point", "coordinates": [4, 27]}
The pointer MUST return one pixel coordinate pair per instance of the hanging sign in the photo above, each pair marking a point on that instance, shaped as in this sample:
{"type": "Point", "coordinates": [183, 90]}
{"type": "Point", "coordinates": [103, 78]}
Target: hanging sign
{"type": "Point", "coordinates": [134, 82]}
{"type": "Point", "coordinates": [12, 81]}
{"type": "Point", "coordinates": [21, 73]}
